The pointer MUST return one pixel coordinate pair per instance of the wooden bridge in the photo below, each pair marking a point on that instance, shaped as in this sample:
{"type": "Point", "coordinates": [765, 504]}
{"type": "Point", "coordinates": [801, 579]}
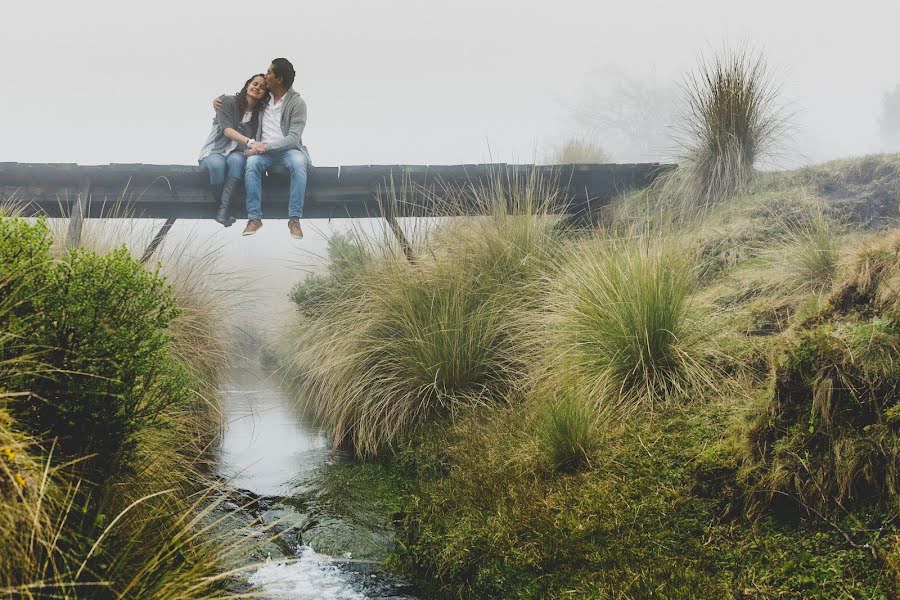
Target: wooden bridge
{"type": "Point", "coordinates": [182, 192]}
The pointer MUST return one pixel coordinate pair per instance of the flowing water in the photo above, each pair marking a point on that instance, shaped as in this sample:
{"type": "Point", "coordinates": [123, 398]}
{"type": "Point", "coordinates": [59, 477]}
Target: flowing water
{"type": "Point", "coordinates": [272, 452]}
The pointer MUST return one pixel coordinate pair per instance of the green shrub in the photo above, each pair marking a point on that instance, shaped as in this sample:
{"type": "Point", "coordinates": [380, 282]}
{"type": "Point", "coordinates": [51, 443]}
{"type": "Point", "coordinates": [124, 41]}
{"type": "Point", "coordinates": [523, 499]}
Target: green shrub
{"type": "Point", "coordinates": [86, 368]}
{"type": "Point", "coordinates": [26, 264]}
{"type": "Point", "coordinates": [102, 329]}
{"type": "Point", "coordinates": [347, 257]}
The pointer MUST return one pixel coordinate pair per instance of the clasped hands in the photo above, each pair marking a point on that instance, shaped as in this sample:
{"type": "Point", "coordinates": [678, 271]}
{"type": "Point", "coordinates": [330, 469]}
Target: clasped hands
{"type": "Point", "coordinates": [258, 148]}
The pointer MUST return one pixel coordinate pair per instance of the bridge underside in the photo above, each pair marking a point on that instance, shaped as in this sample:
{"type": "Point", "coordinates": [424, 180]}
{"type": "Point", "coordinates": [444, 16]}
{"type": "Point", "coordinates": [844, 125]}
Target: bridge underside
{"type": "Point", "coordinates": [182, 192]}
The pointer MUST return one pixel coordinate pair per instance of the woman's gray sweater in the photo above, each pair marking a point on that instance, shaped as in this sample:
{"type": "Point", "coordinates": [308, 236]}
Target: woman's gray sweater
{"type": "Point", "coordinates": [229, 115]}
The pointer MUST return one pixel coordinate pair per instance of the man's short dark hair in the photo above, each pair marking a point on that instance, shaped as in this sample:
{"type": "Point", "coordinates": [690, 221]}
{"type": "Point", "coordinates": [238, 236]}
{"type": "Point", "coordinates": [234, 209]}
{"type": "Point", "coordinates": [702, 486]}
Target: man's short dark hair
{"type": "Point", "coordinates": [284, 70]}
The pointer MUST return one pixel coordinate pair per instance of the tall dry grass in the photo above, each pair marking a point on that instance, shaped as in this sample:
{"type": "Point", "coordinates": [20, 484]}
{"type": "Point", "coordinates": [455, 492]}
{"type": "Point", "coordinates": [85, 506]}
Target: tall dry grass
{"type": "Point", "coordinates": [812, 252]}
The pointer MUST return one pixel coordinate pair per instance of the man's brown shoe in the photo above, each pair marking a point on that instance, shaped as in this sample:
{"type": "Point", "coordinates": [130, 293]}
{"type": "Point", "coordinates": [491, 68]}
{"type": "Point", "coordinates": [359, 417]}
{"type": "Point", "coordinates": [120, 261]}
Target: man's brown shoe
{"type": "Point", "coordinates": [294, 226]}
{"type": "Point", "coordinates": [252, 227]}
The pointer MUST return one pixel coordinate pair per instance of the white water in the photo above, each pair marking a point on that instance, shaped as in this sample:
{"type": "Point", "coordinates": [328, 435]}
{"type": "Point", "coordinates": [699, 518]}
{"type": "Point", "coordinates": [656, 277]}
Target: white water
{"type": "Point", "coordinates": [313, 577]}
{"type": "Point", "coordinates": [265, 447]}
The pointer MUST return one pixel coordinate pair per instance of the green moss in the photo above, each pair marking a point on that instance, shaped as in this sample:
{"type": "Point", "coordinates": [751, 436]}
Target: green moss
{"type": "Point", "coordinates": [647, 521]}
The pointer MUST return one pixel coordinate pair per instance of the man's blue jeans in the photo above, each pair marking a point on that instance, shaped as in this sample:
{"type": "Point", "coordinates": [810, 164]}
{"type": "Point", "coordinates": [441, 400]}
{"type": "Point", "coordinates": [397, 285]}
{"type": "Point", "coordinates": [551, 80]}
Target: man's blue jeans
{"type": "Point", "coordinates": [218, 165]}
{"type": "Point", "coordinates": [295, 161]}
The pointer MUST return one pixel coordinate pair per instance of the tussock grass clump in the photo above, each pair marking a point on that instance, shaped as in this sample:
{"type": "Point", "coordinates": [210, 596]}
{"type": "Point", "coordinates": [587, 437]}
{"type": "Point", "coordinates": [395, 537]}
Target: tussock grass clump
{"type": "Point", "coordinates": [830, 438]}
{"type": "Point", "coordinates": [812, 254]}
{"type": "Point", "coordinates": [623, 322]}
{"type": "Point", "coordinates": [568, 434]}
{"type": "Point", "coordinates": [729, 122]}
{"type": "Point", "coordinates": [418, 340]}
{"type": "Point", "coordinates": [578, 151]}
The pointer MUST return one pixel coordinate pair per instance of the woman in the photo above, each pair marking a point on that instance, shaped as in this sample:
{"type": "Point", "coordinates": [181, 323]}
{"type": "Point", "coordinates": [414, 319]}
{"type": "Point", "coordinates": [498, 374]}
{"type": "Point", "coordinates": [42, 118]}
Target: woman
{"type": "Point", "coordinates": [233, 130]}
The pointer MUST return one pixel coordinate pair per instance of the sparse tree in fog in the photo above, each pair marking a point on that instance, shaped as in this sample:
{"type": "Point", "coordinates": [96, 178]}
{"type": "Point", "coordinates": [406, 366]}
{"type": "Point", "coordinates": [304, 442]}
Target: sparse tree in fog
{"type": "Point", "coordinates": [632, 115]}
{"type": "Point", "coordinates": [890, 116]}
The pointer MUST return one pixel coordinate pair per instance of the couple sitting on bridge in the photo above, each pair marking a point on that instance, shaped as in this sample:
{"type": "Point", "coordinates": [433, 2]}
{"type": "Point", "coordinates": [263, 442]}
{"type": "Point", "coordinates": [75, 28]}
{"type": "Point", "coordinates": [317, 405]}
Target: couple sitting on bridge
{"type": "Point", "coordinates": [260, 126]}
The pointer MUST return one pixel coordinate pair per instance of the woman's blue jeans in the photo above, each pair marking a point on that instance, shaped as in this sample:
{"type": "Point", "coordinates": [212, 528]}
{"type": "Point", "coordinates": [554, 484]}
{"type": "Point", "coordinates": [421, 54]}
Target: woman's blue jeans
{"type": "Point", "coordinates": [219, 165]}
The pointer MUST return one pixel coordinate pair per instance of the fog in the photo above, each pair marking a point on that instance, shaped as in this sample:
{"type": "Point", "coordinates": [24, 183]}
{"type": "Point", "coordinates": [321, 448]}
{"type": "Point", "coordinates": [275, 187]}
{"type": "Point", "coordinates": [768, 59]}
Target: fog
{"type": "Point", "coordinates": [419, 82]}
{"type": "Point", "coordinates": [416, 81]}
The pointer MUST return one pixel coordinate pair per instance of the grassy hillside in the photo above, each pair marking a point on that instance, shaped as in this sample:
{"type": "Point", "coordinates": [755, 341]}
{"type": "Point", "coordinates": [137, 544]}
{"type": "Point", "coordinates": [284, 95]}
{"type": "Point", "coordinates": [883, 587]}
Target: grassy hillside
{"type": "Point", "coordinates": [682, 404]}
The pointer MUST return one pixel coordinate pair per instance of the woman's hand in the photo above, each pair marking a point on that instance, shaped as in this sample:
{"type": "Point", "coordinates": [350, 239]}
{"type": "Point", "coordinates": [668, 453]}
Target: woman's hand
{"type": "Point", "coordinates": [217, 103]}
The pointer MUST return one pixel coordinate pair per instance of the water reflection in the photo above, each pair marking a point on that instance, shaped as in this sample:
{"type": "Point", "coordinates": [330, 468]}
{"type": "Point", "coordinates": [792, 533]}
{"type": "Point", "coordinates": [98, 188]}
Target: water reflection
{"type": "Point", "coordinates": [266, 444]}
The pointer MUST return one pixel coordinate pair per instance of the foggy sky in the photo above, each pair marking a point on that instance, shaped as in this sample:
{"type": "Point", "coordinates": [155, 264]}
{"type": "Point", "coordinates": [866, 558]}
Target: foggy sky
{"type": "Point", "coordinates": [415, 82]}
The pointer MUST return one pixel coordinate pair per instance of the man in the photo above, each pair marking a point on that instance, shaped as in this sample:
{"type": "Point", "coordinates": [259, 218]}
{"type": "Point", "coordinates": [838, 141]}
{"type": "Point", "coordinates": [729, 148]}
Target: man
{"type": "Point", "coordinates": [281, 143]}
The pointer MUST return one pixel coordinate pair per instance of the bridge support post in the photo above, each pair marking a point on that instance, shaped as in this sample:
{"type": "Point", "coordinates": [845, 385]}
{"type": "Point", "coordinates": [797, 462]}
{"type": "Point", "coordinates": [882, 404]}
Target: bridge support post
{"type": "Point", "coordinates": [388, 213]}
{"type": "Point", "coordinates": [404, 243]}
{"type": "Point", "coordinates": [157, 240]}
{"type": "Point", "coordinates": [79, 211]}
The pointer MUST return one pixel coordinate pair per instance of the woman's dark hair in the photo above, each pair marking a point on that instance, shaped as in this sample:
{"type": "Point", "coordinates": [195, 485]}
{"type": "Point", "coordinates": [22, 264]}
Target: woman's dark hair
{"type": "Point", "coordinates": [283, 69]}
{"type": "Point", "coordinates": [242, 96]}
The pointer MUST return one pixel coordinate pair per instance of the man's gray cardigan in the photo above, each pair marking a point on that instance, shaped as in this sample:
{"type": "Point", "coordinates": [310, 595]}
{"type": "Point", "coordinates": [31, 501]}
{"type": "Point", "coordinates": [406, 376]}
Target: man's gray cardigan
{"type": "Point", "coordinates": [293, 121]}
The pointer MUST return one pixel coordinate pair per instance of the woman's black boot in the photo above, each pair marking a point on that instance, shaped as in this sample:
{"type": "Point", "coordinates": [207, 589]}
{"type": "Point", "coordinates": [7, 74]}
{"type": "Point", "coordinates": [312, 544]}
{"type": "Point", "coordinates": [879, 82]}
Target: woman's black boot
{"type": "Point", "coordinates": [223, 215]}
{"type": "Point", "coordinates": [216, 189]}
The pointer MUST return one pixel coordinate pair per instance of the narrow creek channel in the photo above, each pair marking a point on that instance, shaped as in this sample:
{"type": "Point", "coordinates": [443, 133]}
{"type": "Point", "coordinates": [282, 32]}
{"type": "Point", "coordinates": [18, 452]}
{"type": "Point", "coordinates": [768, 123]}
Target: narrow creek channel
{"type": "Point", "coordinates": [331, 546]}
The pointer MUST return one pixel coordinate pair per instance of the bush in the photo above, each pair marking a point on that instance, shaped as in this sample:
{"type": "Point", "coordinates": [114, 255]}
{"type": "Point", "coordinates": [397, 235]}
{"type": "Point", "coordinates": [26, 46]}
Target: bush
{"type": "Point", "coordinates": [99, 324]}
{"type": "Point", "coordinates": [86, 368]}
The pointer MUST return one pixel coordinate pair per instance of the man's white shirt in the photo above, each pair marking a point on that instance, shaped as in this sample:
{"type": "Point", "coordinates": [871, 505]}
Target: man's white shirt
{"type": "Point", "coordinates": [271, 121]}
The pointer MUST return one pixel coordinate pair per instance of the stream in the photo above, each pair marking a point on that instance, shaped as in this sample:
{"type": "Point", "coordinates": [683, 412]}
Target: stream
{"type": "Point", "coordinates": [328, 546]}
